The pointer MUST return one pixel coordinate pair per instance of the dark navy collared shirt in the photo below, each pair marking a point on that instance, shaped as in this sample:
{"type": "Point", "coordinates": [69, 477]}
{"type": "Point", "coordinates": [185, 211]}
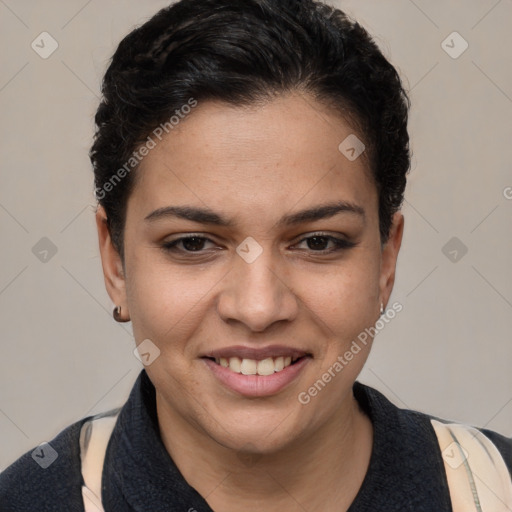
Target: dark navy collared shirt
{"type": "Point", "coordinates": [406, 471]}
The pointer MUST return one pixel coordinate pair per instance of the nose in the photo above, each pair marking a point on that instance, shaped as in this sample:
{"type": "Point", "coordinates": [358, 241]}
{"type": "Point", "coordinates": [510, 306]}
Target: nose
{"type": "Point", "coordinates": [257, 294]}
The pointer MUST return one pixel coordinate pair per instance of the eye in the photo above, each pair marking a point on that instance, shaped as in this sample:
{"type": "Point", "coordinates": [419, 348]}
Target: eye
{"type": "Point", "coordinates": [317, 242]}
{"type": "Point", "coordinates": [191, 244]}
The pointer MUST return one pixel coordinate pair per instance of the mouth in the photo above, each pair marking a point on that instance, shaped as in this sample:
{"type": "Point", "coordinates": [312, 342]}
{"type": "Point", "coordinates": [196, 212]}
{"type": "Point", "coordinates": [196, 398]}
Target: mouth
{"type": "Point", "coordinates": [263, 367]}
{"type": "Point", "coordinates": [257, 372]}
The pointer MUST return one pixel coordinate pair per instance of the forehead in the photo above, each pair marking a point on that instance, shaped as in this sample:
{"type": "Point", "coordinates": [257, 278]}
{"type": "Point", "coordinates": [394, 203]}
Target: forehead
{"type": "Point", "coordinates": [249, 160]}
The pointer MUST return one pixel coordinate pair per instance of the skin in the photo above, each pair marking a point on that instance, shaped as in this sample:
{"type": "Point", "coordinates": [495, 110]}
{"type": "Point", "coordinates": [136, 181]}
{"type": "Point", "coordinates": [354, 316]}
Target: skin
{"type": "Point", "coordinates": [254, 165]}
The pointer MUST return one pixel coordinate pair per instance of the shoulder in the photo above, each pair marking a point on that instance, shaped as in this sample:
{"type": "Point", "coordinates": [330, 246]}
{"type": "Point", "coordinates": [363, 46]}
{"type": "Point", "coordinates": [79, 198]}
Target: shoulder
{"type": "Point", "coordinates": [410, 432]}
{"type": "Point", "coordinates": [47, 477]}
{"type": "Point", "coordinates": [422, 423]}
{"type": "Point", "coordinates": [495, 448]}
{"type": "Point", "coordinates": [494, 444]}
{"type": "Point", "coordinates": [474, 435]}
{"type": "Point", "coordinates": [504, 445]}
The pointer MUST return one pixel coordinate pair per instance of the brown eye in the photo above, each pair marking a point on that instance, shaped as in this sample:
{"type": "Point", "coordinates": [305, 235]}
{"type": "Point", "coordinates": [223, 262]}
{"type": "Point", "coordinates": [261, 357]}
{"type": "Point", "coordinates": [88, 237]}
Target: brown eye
{"type": "Point", "coordinates": [318, 243]}
{"type": "Point", "coordinates": [189, 244]}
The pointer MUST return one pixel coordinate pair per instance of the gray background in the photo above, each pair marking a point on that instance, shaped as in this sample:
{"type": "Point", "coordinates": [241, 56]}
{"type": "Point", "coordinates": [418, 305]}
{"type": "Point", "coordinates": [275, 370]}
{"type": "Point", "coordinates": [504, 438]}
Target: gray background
{"type": "Point", "coordinates": [448, 352]}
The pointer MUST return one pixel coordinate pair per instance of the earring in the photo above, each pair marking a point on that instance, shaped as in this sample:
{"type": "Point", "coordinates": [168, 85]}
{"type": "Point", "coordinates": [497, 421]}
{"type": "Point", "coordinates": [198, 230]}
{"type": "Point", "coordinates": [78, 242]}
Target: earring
{"type": "Point", "coordinates": [381, 309]}
{"type": "Point", "coordinates": [117, 315]}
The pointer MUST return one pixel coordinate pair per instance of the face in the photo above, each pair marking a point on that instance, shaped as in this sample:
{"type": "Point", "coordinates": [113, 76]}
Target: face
{"type": "Point", "coordinates": [252, 242]}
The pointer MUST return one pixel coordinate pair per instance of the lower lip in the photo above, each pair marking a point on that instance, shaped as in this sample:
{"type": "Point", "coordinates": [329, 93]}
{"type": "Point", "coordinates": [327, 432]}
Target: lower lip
{"type": "Point", "coordinates": [257, 385]}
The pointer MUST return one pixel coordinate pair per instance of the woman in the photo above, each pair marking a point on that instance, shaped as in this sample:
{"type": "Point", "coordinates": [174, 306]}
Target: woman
{"type": "Point", "coordinates": [250, 162]}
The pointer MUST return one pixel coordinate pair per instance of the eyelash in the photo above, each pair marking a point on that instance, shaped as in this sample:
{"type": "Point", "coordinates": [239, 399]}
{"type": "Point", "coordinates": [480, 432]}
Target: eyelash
{"type": "Point", "coordinates": [339, 244]}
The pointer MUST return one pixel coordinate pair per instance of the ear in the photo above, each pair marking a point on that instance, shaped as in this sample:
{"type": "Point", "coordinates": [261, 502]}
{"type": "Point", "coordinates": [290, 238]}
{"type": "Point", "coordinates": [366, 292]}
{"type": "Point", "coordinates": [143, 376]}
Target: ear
{"type": "Point", "coordinates": [389, 257]}
{"type": "Point", "coordinates": [111, 262]}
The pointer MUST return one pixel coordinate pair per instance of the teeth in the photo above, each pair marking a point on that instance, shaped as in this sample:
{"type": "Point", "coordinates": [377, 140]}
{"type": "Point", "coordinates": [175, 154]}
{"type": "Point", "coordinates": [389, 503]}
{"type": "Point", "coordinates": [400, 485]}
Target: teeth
{"type": "Point", "coordinates": [235, 364]}
{"type": "Point", "coordinates": [249, 367]}
{"type": "Point", "coordinates": [267, 366]}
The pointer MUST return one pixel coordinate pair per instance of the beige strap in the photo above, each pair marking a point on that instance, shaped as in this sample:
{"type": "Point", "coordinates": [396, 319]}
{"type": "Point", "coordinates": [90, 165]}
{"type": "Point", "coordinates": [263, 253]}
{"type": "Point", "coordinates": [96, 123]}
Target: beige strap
{"type": "Point", "coordinates": [477, 475]}
{"type": "Point", "coordinates": [94, 437]}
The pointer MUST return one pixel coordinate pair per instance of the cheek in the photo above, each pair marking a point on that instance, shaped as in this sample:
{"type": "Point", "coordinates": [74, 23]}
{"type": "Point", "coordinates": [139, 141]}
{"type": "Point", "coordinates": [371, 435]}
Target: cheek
{"type": "Point", "coordinates": [165, 303]}
{"type": "Point", "coordinates": [346, 298]}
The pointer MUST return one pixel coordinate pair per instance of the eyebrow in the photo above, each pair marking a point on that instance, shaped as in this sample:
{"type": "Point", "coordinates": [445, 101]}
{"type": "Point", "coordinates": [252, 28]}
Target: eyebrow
{"type": "Point", "coordinates": [207, 216]}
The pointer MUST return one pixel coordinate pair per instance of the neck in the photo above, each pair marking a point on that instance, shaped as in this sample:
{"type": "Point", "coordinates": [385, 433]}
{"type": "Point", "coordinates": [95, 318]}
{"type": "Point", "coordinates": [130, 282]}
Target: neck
{"type": "Point", "coordinates": [318, 472]}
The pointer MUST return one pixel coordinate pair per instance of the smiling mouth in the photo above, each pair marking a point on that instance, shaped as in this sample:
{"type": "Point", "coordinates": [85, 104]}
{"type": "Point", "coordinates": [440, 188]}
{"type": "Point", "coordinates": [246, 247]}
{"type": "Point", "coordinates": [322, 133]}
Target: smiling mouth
{"type": "Point", "coordinates": [263, 367]}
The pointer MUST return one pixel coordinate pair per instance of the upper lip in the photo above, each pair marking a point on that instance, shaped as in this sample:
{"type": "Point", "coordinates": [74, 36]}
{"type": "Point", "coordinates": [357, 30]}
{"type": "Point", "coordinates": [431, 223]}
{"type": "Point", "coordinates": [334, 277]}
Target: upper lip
{"type": "Point", "coordinates": [257, 354]}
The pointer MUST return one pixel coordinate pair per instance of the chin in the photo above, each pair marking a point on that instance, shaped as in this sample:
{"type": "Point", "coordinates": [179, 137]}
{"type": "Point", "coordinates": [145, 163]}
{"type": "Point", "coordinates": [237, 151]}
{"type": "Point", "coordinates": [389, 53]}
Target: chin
{"type": "Point", "coordinates": [257, 432]}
